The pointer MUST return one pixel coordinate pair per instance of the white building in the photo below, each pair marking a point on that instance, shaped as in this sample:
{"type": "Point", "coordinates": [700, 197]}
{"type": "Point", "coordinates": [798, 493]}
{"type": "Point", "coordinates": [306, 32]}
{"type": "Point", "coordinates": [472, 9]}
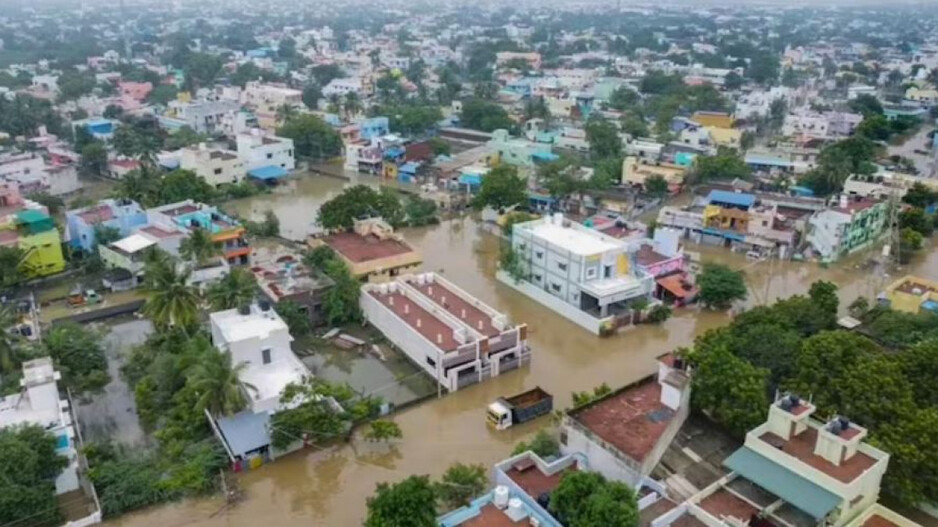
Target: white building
{"type": "Point", "coordinates": [38, 403]}
{"type": "Point", "coordinates": [215, 165]}
{"type": "Point", "coordinates": [624, 434]}
{"type": "Point", "coordinates": [259, 151]}
{"type": "Point", "coordinates": [46, 83]}
{"type": "Point", "coordinates": [205, 117]}
{"type": "Point", "coordinates": [258, 93]}
{"type": "Point", "coordinates": [584, 275]}
{"type": "Point", "coordinates": [452, 335]}
{"type": "Point", "coordinates": [343, 86]}
{"type": "Point", "coordinates": [860, 89]}
{"type": "Point", "coordinates": [256, 336]}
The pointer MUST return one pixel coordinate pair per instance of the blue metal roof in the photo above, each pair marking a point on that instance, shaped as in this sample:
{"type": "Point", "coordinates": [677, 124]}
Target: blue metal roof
{"type": "Point", "coordinates": [409, 168]}
{"type": "Point", "coordinates": [731, 198]}
{"type": "Point", "coordinates": [777, 479]}
{"type": "Point", "coordinates": [267, 172]}
{"type": "Point", "coordinates": [245, 431]}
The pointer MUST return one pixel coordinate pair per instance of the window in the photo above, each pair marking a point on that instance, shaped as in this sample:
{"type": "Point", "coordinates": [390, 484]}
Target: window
{"type": "Point", "coordinates": [562, 266]}
{"type": "Point", "coordinates": [217, 171]}
{"type": "Point", "coordinates": [270, 156]}
{"type": "Point", "coordinates": [555, 287]}
{"type": "Point", "coordinates": [265, 356]}
{"type": "Point", "coordinates": [539, 254]}
{"type": "Point", "coordinates": [591, 273]}
{"type": "Point", "coordinates": [431, 362]}
{"type": "Point", "coordinates": [537, 278]}
{"type": "Point", "coordinates": [563, 437]}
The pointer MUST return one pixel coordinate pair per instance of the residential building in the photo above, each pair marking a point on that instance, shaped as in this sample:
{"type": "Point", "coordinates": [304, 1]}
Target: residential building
{"type": "Point", "coordinates": [522, 485]}
{"type": "Point", "coordinates": [216, 166]}
{"type": "Point", "coordinates": [284, 278]}
{"type": "Point", "coordinates": [372, 251]}
{"type": "Point", "coordinates": [519, 152]}
{"type": "Point", "coordinates": [826, 125]}
{"type": "Point", "coordinates": [227, 232]}
{"type": "Point", "coordinates": [342, 86]}
{"type": "Point", "coordinates": [267, 99]}
{"type": "Point", "coordinates": [266, 157]}
{"type": "Point", "coordinates": [860, 89]}
{"type": "Point", "coordinates": [623, 434]}
{"type": "Point", "coordinates": [137, 91]}
{"type": "Point", "coordinates": [533, 60]}
{"type": "Point", "coordinates": [82, 224]}
{"type": "Point", "coordinates": [99, 128]}
{"type": "Point", "coordinates": [444, 330]}
{"type": "Point", "coordinates": [922, 96]}
{"type": "Point", "coordinates": [584, 275]}
{"type": "Point", "coordinates": [851, 224]}
{"type": "Point", "coordinates": [257, 337]}
{"type": "Point", "coordinates": [636, 170]}
{"type": "Point", "coordinates": [38, 403]}
{"type": "Point", "coordinates": [204, 117]}
{"type": "Point", "coordinates": [911, 294]}
{"type": "Point", "coordinates": [33, 231]}
{"type": "Point", "coordinates": [713, 119]}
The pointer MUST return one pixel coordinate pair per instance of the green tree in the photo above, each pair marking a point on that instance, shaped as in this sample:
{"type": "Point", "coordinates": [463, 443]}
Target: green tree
{"type": "Point", "coordinates": [360, 201]}
{"type": "Point", "coordinates": [235, 290]}
{"type": "Point", "coordinates": [340, 304]}
{"type": "Point", "coordinates": [93, 159]}
{"type": "Point", "coordinates": [285, 112]}
{"type": "Point", "coordinates": [624, 98]}
{"type": "Point", "coordinates": [543, 444]}
{"type": "Point", "coordinates": [635, 126]}
{"type": "Point", "coordinates": [408, 503]}
{"type": "Point", "coordinates": [295, 316]}
{"type": "Point", "coordinates": [383, 430]}
{"type": "Point", "coordinates": [824, 295]}
{"type": "Point", "coordinates": [29, 463]}
{"type": "Point", "coordinates": [182, 138]}
{"type": "Point", "coordinates": [587, 499]}
{"type": "Point", "coordinates": [916, 219]}
{"type": "Point", "coordinates": [501, 188]}
{"type": "Point", "coordinates": [920, 196]}
{"type": "Point", "coordinates": [910, 242]}
{"type": "Point", "coordinates": [315, 418]}
{"type": "Point", "coordinates": [656, 185]}
{"type": "Point", "coordinates": [74, 84]}
{"type": "Point", "coordinates": [312, 137]}
{"type": "Point", "coordinates": [912, 477]}
{"type": "Point", "coordinates": [460, 484]}
{"type": "Point", "coordinates": [217, 384]}
{"type": "Point", "coordinates": [10, 341]}
{"type": "Point", "coordinates": [867, 105]}
{"type": "Point", "coordinates": [728, 389]}
{"type": "Point", "coordinates": [733, 81]}
{"type": "Point", "coordinates": [10, 274]}
{"type": "Point", "coordinates": [483, 115]}
{"type": "Point", "coordinates": [199, 247]}
{"type": "Point", "coordinates": [726, 165]}
{"type": "Point", "coordinates": [172, 301]}
{"type": "Point", "coordinates": [439, 146]}
{"type": "Point", "coordinates": [720, 286]}
{"type": "Point", "coordinates": [603, 138]}
{"type": "Point", "coordinates": [311, 95]}
{"type": "Point", "coordinates": [180, 185]}
{"type": "Point", "coordinates": [162, 94]}
{"type": "Point", "coordinates": [658, 314]}
{"type": "Point", "coordinates": [139, 186]}
{"type": "Point", "coordinates": [78, 354]}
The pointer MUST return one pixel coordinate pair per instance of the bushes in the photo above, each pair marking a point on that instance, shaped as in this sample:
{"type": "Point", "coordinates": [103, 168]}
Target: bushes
{"type": "Point", "coordinates": [78, 354]}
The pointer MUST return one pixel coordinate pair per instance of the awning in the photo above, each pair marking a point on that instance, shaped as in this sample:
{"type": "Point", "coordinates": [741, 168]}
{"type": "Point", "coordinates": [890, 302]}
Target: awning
{"type": "Point", "coordinates": [775, 478]}
{"type": "Point", "coordinates": [674, 284]}
{"type": "Point", "coordinates": [267, 173]}
{"type": "Point", "coordinates": [245, 432]}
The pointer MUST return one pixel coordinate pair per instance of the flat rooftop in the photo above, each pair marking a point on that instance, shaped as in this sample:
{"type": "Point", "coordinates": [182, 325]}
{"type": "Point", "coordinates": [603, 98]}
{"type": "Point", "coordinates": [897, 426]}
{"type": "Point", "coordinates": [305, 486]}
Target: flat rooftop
{"type": "Point", "coordinates": [632, 420]}
{"type": "Point", "coordinates": [577, 241]}
{"type": "Point", "coordinates": [653, 511]}
{"type": "Point", "coordinates": [431, 328]}
{"type": "Point", "coordinates": [269, 380]}
{"type": "Point", "coordinates": [359, 249]}
{"type": "Point", "coordinates": [490, 516]}
{"type": "Point", "coordinates": [878, 521]}
{"type": "Point", "coordinates": [723, 503]}
{"type": "Point", "coordinates": [648, 256]}
{"type": "Point", "coordinates": [534, 482]}
{"type": "Point", "coordinates": [455, 305]}
{"type": "Point", "coordinates": [801, 447]}
{"type": "Point", "coordinates": [236, 327]}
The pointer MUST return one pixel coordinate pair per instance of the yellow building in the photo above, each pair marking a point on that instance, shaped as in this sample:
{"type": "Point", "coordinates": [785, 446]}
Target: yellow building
{"type": "Point", "coordinates": [713, 119]}
{"type": "Point", "coordinates": [34, 233]}
{"type": "Point", "coordinates": [635, 172]}
{"type": "Point", "coordinates": [373, 251]}
{"type": "Point", "coordinates": [728, 137]}
{"type": "Point", "coordinates": [911, 294]}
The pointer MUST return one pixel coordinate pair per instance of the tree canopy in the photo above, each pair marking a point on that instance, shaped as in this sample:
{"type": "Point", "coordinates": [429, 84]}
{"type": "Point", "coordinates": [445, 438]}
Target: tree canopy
{"type": "Point", "coordinates": [501, 188]}
{"type": "Point", "coordinates": [720, 286]}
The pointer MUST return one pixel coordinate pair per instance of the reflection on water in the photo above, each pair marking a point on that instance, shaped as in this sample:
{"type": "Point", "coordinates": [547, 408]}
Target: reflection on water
{"type": "Point", "coordinates": [330, 487]}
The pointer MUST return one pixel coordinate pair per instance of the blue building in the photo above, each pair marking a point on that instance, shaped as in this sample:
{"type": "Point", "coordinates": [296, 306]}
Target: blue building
{"type": "Point", "coordinates": [82, 224]}
{"type": "Point", "coordinates": [99, 128]}
{"type": "Point", "coordinates": [374, 127]}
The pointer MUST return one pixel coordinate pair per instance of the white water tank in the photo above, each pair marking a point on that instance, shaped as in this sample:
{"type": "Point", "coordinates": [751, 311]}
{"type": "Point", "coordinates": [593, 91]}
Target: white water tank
{"type": "Point", "coordinates": [501, 497]}
{"type": "Point", "coordinates": [534, 522]}
{"type": "Point", "coordinates": [515, 509]}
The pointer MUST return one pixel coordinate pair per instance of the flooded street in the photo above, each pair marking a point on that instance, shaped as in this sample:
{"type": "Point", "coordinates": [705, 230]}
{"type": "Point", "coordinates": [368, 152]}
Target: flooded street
{"type": "Point", "coordinates": [329, 488]}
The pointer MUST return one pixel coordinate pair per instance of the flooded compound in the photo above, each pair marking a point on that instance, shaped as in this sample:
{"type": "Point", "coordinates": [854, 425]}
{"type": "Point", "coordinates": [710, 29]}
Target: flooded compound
{"type": "Point", "coordinates": [329, 487]}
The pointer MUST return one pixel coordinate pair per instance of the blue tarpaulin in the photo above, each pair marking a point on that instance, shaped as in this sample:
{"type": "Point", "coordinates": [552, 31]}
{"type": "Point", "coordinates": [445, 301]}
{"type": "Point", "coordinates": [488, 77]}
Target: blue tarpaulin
{"type": "Point", "coordinates": [267, 173]}
{"type": "Point", "coordinates": [731, 198]}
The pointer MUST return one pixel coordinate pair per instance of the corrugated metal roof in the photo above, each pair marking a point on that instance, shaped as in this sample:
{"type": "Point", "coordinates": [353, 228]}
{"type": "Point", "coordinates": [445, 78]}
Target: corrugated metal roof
{"type": "Point", "coordinates": [775, 478]}
{"type": "Point", "coordinates": [731, 198]}
{"type": "Point", "coordinates": [245, 432]}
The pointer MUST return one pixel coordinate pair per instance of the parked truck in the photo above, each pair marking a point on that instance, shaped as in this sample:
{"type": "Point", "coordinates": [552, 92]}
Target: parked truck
{"type": "Point", "coordinates": [526, 406]}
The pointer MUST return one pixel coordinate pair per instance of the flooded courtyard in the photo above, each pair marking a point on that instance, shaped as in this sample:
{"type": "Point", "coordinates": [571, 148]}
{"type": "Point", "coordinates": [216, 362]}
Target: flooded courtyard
{"type": "Point", "coordinates": [329, 487]}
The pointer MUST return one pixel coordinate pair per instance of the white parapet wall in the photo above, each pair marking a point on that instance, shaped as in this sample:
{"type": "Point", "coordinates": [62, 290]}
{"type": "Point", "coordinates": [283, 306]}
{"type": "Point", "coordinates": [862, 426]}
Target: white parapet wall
{"type": "Point", "coordinates": [568, 311]}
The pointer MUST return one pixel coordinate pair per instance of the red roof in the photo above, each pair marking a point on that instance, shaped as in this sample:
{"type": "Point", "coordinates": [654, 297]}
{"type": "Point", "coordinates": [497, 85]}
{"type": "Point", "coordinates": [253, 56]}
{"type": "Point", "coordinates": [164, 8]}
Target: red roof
{"type": "Point", "coordinates": [456, 306]}
{"type": "Point", "coordinates": [533, 481]}
{"type": "Point", "coordinates": [801, 447]}
{"type": "Point", "coordinates": [430, 327]}
{"type": "Point", "coordinates": [96, 214]}
{"type": "Point", "coordinates": [359, 249]}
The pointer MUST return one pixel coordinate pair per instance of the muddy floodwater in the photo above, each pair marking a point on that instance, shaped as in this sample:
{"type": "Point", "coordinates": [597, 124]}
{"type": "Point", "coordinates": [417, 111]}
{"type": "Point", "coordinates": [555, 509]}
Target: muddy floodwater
{"type": "Point", "coordinates": [329, 487]}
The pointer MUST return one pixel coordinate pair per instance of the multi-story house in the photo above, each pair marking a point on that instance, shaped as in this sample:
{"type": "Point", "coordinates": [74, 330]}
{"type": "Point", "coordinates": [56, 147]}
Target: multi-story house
{"type": "Point", "coordinates": [852, 224]}
{"type": "Point", "coordinates": [266, 99]}
{"type": "Point", "coordinates": [215, 165]}
{"type": "Point", "coordinates": [205, 117]}
{"type": "Point", "coordinates": [226, 232]}
{"type": "Point", "coordinates": [33, 231]}
{"type": "Point", "coordinates": [372, 251]}
{"type": "Point", "coordinates": [447, 332]}
{"type": "Point", "coordinates": [38, 403]}
{"type": "Point", "coordinates": [584, 275]}
{"type": "Point", "coordinates": [266, 157]}
{"type": "Point", "coordinates": [82, 224]}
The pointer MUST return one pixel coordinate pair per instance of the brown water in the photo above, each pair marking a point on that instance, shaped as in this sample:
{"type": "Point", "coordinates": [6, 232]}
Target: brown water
{"type": "Point", "coordinates": [329, 488]}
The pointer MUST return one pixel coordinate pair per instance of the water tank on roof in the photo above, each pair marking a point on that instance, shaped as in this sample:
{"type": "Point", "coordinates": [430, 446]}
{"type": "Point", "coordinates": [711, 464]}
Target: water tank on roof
{"type": "Point", "coordinates": [515, 509]}
{"type": "Point", "coordinates": [500, 499]}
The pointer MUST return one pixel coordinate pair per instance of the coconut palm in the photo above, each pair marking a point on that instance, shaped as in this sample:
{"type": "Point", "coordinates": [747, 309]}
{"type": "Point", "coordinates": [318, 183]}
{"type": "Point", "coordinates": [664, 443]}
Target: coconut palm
{"type": "Point", "coordinates": [334, 103]}
{"type": "Point", "coordinates": [199, 247]}
{"type": "Point", "coordinates": [172, 302]}
{"type": "Point", "coordinates": [285, 112]}
{"type": "Point", "coordinates": [236, 289]}
{"type": "Point", "coordinates": [352, 104]}
{"type": "Point", "coordinates": [218, 385]}
{"type": "Point", "coordinates": [9, 340]}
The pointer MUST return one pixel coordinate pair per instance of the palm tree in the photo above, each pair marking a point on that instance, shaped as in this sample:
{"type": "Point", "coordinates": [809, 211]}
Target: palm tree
{"type": "Point", "coordinates": [172, 302]}
{"type": "Point", "coordinates": [136, 185]}
{"type": "Point", "coordinates": [285, 112]}
{"type": "Point", "coordinates": [236, 289]}
{"type": "Point", "coordinates": [199, 247]}
{"type": "Point", "coordinates": [218, 385]}
{"type": "Point", "coordinates": [9, 340]}
{"type": "Point", "coordinates": [353, 104]}
{"type": "Point", "coordinates": [334, 103]}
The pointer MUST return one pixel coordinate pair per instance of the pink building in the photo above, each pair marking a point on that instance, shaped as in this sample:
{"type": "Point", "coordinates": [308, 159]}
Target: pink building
{"type": "Point", "coordinates": [137, 91]}
{"type": "Point", "coordinates": [10, 198]}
